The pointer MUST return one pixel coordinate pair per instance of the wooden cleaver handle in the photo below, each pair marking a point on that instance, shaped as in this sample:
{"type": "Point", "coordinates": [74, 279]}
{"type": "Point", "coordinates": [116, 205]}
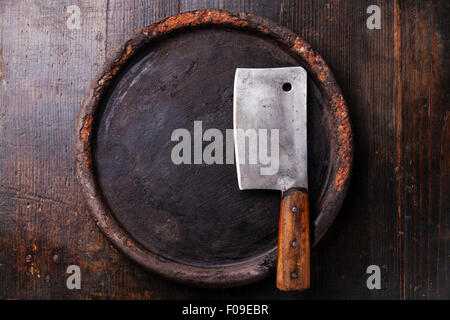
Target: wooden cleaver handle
{"type": "Point", "coordinates": [293, 266]}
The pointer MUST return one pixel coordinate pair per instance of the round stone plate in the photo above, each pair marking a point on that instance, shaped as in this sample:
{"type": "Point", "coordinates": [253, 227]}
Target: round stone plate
{"type": "Point", "coordinates": [191, 223]}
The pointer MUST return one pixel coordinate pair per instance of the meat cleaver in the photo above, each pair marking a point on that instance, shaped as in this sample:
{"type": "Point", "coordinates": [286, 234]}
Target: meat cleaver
{"type": "Point", "coordinates": [269, 115]}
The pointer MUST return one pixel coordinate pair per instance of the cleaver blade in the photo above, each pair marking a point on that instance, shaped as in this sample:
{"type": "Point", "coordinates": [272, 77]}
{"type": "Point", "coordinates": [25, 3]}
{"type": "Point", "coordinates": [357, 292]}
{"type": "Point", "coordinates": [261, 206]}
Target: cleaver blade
{"type": "Point", "coordinates": [270, 136]}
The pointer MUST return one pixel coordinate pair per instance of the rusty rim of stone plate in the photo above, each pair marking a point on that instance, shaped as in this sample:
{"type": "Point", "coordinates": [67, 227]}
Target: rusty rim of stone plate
{"type": "Point", "coordinates": [342, 154]}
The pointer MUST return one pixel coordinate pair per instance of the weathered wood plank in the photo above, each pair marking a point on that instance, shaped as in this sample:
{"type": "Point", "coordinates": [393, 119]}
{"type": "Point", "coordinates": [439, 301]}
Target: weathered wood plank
{"type": "Point", "coordinates": [46, 66]}
{"type": "Point", "coordinates": [422, 108]}
{"type": "Point", "coordinates": [396, 84]}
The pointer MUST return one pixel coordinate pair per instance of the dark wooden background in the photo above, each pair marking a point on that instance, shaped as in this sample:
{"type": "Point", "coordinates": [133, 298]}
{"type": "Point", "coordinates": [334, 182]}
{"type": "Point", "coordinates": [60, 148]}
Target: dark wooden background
{"type": "Point", "coordinates": [394, 79]}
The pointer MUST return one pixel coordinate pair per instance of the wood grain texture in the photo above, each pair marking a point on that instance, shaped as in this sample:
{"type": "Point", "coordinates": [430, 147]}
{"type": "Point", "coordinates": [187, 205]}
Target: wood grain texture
{"type": "Point", "coordinates": [394, 79]}
{"type": "Point", "coordinates": [293, 263]}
